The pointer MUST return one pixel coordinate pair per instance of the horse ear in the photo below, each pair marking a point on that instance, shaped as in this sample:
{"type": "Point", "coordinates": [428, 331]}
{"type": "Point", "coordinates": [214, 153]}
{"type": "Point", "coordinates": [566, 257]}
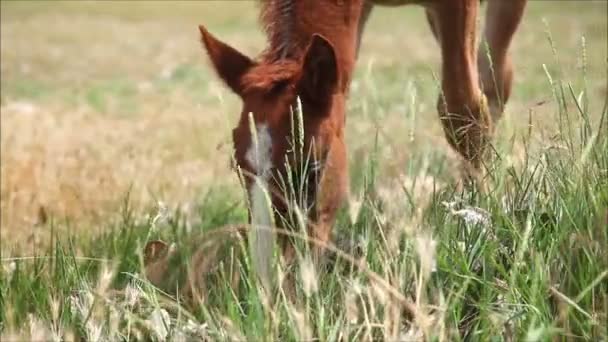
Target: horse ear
{"type": "Point", "coordinates": [319, 71]}
{"type": "Point", "coordinates": [229, 63]}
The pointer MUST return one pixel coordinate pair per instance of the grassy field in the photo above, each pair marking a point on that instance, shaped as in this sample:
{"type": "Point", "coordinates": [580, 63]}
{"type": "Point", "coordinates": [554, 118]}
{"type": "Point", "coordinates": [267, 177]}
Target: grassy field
{"type": "Point", "coordinates": [115, 132]}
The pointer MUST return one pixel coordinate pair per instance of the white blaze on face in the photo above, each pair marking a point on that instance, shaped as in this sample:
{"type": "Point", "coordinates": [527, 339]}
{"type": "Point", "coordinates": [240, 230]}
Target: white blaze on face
{"type": "Point", "coordinates": [259, 153]}
{"type": "Point", "coordinates": [259, 156]}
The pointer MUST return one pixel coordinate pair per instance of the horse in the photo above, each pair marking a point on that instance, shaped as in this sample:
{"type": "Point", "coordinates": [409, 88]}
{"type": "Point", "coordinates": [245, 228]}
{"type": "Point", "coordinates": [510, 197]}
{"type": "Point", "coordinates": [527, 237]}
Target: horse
{"type": "Point", "coordinates": [308, 64]}
{"type": "Point", "coordinates": [312, 51]}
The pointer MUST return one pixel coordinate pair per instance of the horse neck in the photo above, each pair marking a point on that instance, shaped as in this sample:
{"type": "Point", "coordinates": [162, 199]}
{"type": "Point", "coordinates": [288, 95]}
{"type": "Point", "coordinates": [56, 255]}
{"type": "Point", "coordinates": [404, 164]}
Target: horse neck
{"type": "Point", "coordinates": [336, 20]}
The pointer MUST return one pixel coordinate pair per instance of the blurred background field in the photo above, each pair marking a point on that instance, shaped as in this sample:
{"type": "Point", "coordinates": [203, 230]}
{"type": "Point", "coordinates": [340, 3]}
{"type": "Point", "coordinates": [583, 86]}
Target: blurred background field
{"type": "Point", "coordinates": [104, 99]}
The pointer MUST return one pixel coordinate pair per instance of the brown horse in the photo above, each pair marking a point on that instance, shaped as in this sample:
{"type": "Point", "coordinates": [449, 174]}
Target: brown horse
{"type": "Point", "coordinates": [312, 51]}
{"type": "Point", "coordinates": [310, 60]}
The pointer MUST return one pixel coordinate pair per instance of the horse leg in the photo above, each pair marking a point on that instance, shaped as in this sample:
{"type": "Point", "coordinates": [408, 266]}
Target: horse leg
{"type": "Point", "coordinates": [495, 67]}
{"type": "Point", "coordinates": [432, 24]}
{"type": "Point", "coordinates": [462, 106]}
{"type": "Point", "coordinates": [366, 10]}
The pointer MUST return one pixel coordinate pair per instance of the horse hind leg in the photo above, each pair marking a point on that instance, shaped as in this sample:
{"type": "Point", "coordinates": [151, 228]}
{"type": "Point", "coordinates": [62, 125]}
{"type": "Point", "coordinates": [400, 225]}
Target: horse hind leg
{"type": "Point", "coordinates": [494, 63]}
{"type": "Point", "coordinates": [462, 106]}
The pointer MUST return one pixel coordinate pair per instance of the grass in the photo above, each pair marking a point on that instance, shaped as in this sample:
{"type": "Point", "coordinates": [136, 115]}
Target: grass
{"type": "Point", "coordinates": [90, 154]}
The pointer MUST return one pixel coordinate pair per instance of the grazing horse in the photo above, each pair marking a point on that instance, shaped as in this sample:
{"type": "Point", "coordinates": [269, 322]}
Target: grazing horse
{"type": "Point", "coordinates": [313, 46]}
{"type": "Point", "coordinates": [308, 64]}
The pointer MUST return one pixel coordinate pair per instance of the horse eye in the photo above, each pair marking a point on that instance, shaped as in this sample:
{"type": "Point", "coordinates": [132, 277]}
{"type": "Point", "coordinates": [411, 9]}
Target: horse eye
{"type": "Point", "coordinates": [279, 87]}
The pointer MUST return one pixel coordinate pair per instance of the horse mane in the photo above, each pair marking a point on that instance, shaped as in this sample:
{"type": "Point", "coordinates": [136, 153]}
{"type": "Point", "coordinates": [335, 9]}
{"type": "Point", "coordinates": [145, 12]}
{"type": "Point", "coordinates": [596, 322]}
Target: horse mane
{"type": "Point", "coordinates": [278, 20]}
{"type": "Point", "coordinates": [287, 32]}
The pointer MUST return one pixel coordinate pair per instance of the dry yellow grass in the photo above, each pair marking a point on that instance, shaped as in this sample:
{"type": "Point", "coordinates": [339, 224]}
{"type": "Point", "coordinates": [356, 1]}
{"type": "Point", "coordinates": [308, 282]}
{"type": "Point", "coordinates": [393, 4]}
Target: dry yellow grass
{"type": "Point", "coordinates": [102, 97]}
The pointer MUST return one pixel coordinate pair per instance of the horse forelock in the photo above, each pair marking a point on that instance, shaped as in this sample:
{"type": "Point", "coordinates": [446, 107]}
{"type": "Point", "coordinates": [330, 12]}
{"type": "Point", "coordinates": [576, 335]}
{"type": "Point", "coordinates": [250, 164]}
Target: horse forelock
{"type": "Point", "coordinates": [264, 76]}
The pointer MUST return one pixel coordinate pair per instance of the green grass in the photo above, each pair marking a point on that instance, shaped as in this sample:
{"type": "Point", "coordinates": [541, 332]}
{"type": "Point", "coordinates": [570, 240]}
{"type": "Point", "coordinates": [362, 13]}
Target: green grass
{"type": "Point", "coordinates": [527, 260]}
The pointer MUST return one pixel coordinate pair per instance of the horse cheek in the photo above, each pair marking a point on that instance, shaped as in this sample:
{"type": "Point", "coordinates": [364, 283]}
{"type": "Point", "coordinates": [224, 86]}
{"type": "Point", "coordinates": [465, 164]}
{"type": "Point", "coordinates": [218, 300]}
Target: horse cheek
{"type": "Point", "coordinates": [333, 186]}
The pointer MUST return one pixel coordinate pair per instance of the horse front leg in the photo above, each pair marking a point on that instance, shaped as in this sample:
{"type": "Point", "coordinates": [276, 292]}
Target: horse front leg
{"type": "Point", "coordinates": [462, 106]}
{"type": "Point", "coordinates": [494, 62]}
